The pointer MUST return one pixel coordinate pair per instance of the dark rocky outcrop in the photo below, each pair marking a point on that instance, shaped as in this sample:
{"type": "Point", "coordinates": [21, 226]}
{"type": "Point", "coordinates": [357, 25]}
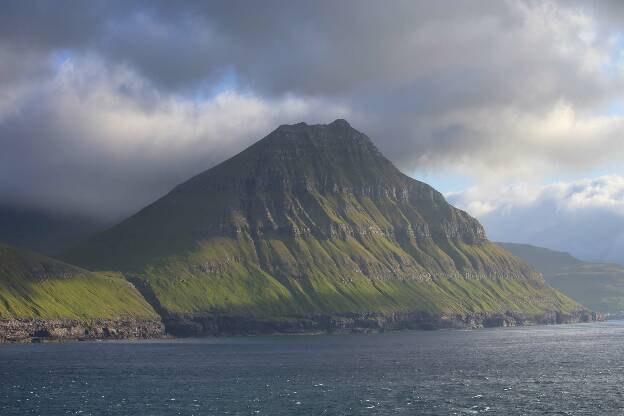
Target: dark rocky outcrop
{"type": "Point", "coordinates": [36, 329]}
{"type": "Point", "coordinates": [223, 325]}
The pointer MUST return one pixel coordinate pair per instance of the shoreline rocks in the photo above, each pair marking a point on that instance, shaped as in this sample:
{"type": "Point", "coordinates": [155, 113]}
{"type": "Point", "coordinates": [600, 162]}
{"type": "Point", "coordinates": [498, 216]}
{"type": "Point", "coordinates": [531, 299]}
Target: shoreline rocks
{"type": "Point", "coordinates": [224, 325]}
{"type": "Point", "coordinates": [25, 330]}
{"type": "Point", "coordinates": [36, 329]}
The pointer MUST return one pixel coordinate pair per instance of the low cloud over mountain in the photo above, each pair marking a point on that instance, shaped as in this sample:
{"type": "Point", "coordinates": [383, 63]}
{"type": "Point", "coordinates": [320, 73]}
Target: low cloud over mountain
{"type": "Point", "coordinates": [104, 106]}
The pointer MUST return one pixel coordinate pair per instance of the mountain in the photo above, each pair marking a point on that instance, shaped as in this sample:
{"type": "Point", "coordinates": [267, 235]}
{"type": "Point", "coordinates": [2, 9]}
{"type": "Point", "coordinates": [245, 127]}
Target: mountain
{"type": "Point", "coordinates": [44, 231]}
{"type": "Point", "coordinates": [43, 297]}
{"type": "Point", "coordinates": [599, 286]}
{"type": "Point", "coordinates": [312, 228]}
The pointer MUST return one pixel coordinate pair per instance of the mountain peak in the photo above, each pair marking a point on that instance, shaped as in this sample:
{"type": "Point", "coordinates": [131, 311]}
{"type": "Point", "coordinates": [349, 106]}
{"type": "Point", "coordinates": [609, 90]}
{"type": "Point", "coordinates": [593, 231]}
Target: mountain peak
{"type": "Point", "coordinates": [340, 122]}
{"type": "Point", "coordinates": [319, 156]}
{"type": "Point", "coordinates": [308, 139]}
{"type": "Point", "coordinates": [302, 156]}
{"type": "Point", "coordinates": [337, 129]}
{"type": "Point", "coordinates": [269, 186]}
{"type": "Point", "coordinates": [313, 220]}
{"type": "Point", "coordinates": [295, 126]}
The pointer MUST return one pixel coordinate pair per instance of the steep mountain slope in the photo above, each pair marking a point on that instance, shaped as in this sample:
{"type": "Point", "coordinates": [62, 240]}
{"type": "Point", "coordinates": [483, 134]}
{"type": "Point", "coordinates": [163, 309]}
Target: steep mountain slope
{"type": "Point", "coordinates": [42, 295]}
{"type": "Point", "coordinates": [599, 286]}
{"type": "Point", "coordinates": [313, 221]}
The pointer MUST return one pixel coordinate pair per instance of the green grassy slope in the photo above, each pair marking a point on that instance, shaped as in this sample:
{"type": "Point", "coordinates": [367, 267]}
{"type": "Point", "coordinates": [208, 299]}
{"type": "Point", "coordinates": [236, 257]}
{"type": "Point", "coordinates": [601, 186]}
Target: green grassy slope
{"type": "Point", "coordinates": [203, 282]}
{"type": "Point", "coordinates": [599, 286]}
{"type": "Point", "coordinates": [35, 286]}
{"type": "Point", "coordinates": [309, 220]}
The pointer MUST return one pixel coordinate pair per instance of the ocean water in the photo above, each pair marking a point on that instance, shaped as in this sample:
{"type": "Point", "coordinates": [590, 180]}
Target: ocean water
{"type": "Point", "coordinates": [566, 369]}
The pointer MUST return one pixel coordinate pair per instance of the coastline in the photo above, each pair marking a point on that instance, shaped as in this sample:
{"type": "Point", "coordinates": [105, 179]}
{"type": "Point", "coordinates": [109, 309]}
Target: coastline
{"type": "Point", "coordinates": [224, 325]}
{"type": "Point", "coordinates": [25, 330]}
{"type": "Point", "coordinates": [29, 330]}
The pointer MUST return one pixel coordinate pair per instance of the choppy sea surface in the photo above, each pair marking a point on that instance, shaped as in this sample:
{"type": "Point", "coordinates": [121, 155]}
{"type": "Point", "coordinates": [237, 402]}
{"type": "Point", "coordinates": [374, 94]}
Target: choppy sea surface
{"type": "Point", "coordinates": [566, 369]}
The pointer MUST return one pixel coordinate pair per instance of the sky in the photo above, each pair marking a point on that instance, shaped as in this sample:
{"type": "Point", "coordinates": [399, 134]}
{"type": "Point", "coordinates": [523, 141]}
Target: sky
{"type": "Point", "coordinates": [513, 109]}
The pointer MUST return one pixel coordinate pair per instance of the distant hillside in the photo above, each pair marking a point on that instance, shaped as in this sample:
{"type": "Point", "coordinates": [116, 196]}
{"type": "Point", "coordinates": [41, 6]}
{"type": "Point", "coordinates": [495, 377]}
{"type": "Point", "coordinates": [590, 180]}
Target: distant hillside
{"type": "Point", "coordinates": [312, 227]}
{"type": "Point", "coordinates": [599, 286]}
{"type": "Point", "coordinates": [42, 231]}
{"type": "Point", "coordinates": [39, 295]}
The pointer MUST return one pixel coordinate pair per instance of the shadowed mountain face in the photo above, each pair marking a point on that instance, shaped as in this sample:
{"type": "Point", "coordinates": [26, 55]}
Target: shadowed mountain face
{"type": "Point", "coordinates": [599, 286]}
{"type": "Point", "coordinates": [314, 220]}
{"type": "Point", "coordinates": [43, 231]}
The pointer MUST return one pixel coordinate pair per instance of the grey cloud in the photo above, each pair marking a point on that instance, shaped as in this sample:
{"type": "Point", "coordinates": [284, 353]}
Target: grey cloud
{"type": "Point", "coordinates": [104, 143]}
{"type": "Point", "coordinates": [455, 49]}
{"type": "Point", "coordinates": [584, 217]}
{"type": "Point", "coordinates": [437, 85]}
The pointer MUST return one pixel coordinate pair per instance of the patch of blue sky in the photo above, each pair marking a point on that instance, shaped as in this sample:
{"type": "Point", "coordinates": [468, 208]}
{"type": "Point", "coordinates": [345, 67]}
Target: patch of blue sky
{"type": "Point", "coordinates": [613, 66]}
{"type": "Point", "coordinates": [211, 88]}
{"type": "Point", "coordinates": [615, 107]}
{"type": "Point", "coordinates": [61, 57]}
{"type": "Point", "coordinates": [605, 169]}
{"type": "Point", "coordinates": [444, 182]}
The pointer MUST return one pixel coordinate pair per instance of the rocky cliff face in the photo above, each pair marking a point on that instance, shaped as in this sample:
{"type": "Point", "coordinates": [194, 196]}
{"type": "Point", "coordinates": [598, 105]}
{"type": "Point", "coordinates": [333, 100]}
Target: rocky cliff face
{"type": "Point", "coordinates": [314, 221]}
{"type": "Point", "coordinates": [215, 325]}
{"type": "Point", "coordinates": [38, 329]}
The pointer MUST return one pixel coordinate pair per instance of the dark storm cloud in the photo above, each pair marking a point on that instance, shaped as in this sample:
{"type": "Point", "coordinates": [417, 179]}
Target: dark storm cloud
{"type": "Point", "coordinates": [307, 47]}
{"type": "Point", "coordinates": [297, 46]}
{"type": "Point", "coordinates": [103, 142]}
{"type": "Point", "coordinates": [105, 105]}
